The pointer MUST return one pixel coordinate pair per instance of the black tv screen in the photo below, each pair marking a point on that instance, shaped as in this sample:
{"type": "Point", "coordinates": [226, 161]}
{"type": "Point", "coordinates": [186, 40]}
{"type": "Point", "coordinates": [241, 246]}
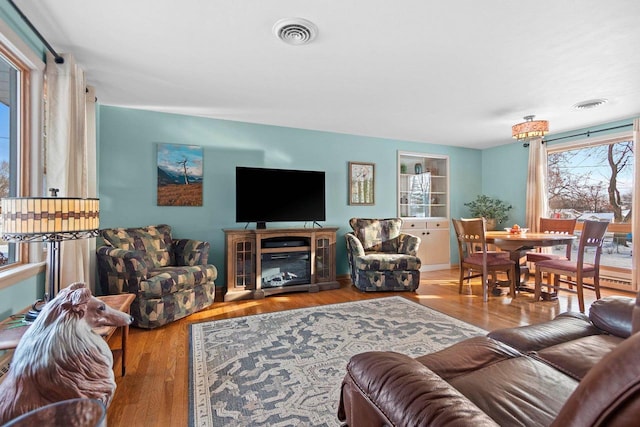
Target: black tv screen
{"type": "Point", "coordinates": [279, 195]}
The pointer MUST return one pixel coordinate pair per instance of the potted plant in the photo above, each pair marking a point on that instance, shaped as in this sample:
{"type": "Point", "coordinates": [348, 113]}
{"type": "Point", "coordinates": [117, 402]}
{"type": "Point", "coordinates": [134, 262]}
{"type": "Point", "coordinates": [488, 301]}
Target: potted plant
{"type": "Point", "coordinates": [495, 211]}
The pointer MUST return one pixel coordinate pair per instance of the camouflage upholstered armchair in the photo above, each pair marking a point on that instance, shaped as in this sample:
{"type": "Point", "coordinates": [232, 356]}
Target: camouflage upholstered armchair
{"type": "Point", "coordinates": [170, 277]}
{"type": "Point", "coordinates": [381, 257]}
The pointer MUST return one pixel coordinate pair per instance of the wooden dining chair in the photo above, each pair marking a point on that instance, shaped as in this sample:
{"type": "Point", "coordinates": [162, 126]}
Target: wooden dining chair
{"type": "Point", "coordinates": [564, 270]}
{"type": "Point", "coordinates": [476, 260]}
{"type": "Point", "coordinates": [552, 226]}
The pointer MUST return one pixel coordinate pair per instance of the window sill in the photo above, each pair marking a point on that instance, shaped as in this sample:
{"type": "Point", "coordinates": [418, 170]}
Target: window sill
{"type": "Point", "coordinates": [11, 276]}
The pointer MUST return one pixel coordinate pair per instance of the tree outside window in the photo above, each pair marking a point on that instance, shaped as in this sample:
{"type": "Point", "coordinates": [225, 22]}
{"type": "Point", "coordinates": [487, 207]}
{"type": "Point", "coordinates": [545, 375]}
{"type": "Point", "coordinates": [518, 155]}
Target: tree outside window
{"type": "Point", "coordinates": [596, 182]}
{"type": "Point", "coordinates": [9, 146]}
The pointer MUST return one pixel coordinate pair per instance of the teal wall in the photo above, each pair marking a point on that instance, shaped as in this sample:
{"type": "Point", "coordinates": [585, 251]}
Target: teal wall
{"type": "Point", "coordinates": [504, 176]}
{"type": "Point", "coordinates": [128, 141]}
{"type": "Point", "coordinates": [15, 298]}
{"type": "Point", "coordinates": [16, 23]}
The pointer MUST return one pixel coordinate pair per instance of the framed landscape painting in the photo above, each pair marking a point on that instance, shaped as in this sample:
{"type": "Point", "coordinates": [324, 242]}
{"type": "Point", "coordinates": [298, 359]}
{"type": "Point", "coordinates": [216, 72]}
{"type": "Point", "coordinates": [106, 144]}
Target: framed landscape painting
{"type": "Point", "coordinates": [361, 183]}
{"type": "Point", "coordinates": [179, 175]}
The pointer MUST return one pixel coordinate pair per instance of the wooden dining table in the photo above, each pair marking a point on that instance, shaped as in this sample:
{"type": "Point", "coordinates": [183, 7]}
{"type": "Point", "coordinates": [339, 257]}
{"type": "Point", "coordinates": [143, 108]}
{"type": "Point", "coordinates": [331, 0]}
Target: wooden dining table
{"type": "Point", "coordinates": [518, 244]}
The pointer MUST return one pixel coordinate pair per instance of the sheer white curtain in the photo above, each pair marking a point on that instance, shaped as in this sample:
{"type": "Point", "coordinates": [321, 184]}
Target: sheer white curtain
{"type": "Point", "coordinates": [71, 155]}
{"type": "Point", "coordinates": [536, 205]}
{"type": "Point", "coordinates": [635, 210]}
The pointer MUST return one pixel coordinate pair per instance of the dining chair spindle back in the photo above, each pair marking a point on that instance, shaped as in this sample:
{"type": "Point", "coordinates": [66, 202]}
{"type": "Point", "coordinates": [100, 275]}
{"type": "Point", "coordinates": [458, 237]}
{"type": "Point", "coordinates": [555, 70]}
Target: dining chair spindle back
{"type": "Point", "coordinates": [553, 226]}
{"type": "Point", "coordinates": [475, 260]}
{"type": "Point", "coordinates": [565, 270]}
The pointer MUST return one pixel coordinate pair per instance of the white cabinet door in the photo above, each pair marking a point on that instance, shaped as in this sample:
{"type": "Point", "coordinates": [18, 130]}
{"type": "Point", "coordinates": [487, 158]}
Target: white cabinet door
{"type": "Point", "coordinates": [434, 250]}
{"type": "Point", "coordinates": [438, 251]}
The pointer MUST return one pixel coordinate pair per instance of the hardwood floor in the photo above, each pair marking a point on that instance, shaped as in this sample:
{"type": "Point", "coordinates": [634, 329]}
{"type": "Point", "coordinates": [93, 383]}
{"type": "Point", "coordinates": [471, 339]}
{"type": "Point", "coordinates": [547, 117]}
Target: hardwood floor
{"type": "Point", "coordinates": [155, 390]}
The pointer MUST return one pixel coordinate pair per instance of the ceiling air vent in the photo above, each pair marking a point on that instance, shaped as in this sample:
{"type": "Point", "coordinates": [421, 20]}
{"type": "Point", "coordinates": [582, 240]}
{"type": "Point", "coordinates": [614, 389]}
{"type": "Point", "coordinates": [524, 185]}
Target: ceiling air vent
{"type": "Point", "coordinates": [295, 31]}
{"type": "Point", "coordinates": [592, 103]}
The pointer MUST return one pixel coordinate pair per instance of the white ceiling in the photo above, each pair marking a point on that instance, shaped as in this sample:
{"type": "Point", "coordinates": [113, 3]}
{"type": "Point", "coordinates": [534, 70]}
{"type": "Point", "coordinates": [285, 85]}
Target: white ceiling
{"type": "Point", "coordinates": [454, 72]}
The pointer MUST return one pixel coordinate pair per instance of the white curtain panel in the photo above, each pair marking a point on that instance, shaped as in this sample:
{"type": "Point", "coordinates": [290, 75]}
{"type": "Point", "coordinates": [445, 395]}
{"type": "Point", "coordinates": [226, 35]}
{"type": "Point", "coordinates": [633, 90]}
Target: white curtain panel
{"type": "Point", "coordinates": [635, 212]}
{"type": "Point", "coordinates": [92, 177]}
{"type": "Point", "coordinates": [536, 204]}
{"type": "Point", "coordinates": [70, 159]}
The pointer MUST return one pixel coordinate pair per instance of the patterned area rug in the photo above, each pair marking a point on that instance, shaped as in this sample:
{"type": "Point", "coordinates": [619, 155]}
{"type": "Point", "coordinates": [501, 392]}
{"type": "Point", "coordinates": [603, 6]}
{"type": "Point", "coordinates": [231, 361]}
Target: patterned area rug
{"type": "Point", "coordinates": [286, 368]}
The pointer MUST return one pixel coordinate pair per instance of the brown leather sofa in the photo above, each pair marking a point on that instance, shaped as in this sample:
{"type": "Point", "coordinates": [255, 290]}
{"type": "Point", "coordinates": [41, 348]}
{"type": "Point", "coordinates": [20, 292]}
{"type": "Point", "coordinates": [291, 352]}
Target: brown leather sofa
{"type": "Point", "coordinates": [571, 371]}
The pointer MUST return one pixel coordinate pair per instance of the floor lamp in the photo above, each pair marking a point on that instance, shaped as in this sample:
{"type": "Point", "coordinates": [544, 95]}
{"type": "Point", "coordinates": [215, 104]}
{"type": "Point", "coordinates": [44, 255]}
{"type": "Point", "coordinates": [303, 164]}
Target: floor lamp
{"type": "Point", "coordinates": [51, 220]}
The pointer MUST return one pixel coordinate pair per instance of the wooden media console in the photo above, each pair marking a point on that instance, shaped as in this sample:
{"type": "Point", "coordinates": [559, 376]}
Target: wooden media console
{"type": "Point", "coordinates": [264, 262]}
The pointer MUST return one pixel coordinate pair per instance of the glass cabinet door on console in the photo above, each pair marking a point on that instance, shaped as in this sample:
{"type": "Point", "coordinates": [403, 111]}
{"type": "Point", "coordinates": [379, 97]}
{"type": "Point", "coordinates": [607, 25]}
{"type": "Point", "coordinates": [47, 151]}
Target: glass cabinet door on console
{"type": "Point", "coordinates": [244, 264]}
{"type": "Point", "coordinates": [325, 246]}
{"type": "Point", "coordinates": [423, 204]}
{"type": "Point", "coordinates": [243, 255]}
{"type": "Point", "coordinates": [263, 262]}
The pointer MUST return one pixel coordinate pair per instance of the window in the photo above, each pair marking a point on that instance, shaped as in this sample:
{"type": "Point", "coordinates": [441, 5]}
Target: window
{"type": "Point", "coordinates": [13, 149]}
{"type": "Point", "coordinates": [594, 180]}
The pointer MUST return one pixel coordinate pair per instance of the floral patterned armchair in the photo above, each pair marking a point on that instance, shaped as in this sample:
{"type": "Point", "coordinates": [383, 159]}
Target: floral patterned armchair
{"type": "Point", "coordinates": [170, 277]}
{"type": "Point", "coordinates": [381, 257]}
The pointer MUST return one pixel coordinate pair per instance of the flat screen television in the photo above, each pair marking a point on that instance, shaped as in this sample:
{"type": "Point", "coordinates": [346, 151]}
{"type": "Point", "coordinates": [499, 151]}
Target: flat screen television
{"type": "Point", "coordinates": [279, 195]}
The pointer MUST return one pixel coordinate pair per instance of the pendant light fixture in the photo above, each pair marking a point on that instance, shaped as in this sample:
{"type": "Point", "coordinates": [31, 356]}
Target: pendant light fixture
{"type": "Point", "coordinates": [530, 128]}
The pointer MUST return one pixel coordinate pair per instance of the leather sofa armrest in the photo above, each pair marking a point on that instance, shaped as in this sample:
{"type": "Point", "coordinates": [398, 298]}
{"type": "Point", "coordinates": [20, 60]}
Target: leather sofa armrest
{"type": "Point", "coordinates": [565, 327]}
{"type": "Point", "coordinates": [613, 315]}
{"type": "Point", "coordinates": [191, 252]}
{"type": "Point", "coordinates": [409, 244]}
{"type": "Point", "coordinates": [635, 318]}
{"type": "Point", "coordinates": [609, 394]}
{"type": "Point", "coordinates": [387, 388]}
